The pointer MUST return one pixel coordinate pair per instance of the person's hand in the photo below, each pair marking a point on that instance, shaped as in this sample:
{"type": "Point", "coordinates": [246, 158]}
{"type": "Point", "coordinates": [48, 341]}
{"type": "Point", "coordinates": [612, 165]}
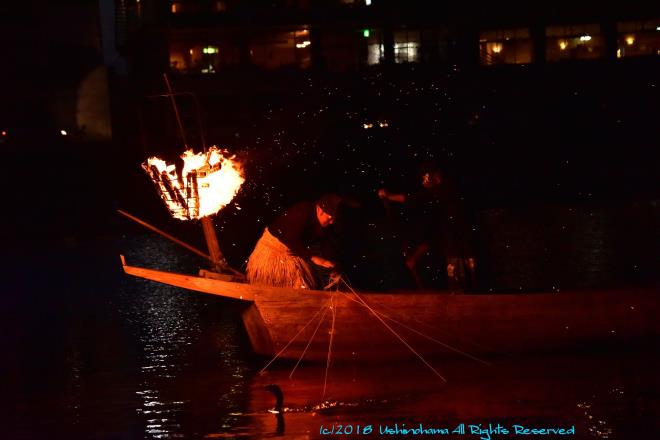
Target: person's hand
{"type": "Point", "coordinates": [320, 261]}
{"type": "Point", "coordinates": [333, 279]}
{"type": "Point", "coordinates": [394, 197]}
{"type": "Point", "coordinates": [411, 262]}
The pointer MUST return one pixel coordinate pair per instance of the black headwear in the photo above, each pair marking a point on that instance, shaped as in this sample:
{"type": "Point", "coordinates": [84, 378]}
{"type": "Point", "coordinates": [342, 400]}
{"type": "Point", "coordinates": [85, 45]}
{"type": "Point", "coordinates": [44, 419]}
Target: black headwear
{"type": "Point", "coordinates": [329, 203]}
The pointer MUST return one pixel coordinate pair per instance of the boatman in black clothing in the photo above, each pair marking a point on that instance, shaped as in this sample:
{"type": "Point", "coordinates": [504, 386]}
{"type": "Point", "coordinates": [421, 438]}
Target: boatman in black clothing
{"type": "Point", "coordinates": [288, 250]}
{"type": "Point", "coordinates": [439, 225]}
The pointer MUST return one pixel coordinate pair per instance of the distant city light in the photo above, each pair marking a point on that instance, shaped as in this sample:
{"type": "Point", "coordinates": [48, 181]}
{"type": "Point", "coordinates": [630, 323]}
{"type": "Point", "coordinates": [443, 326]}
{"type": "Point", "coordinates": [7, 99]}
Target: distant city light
{"type": "Point", "coordinates": [497, 47]}
{"type": "Point", "coordinates": [585, 38]}
{"type": "Point", "coordinates": [657, 28]}
{"type": "Point", "coordinates": [630, 40]}
{"type": "Point", "coordinates": [563, 44]}
{"type": "Point", "coordinates": [4, 133]}
{"type": "Point", "coordinates": [304, 44]}
{"type": "Point", "coordinates": [63, 132]}
{"type": "Point", "coordinates": [367, 2]}
{"type": "Point", "coordinates": [618, 53]}
{"type": "Point", "coordinates": [383, 124]}
{"type": "Point", "coordinates": [366, 33]}
{"type": "Point", "coordinates": [210, 49]}
{"type": "Point", "coordinates": [208, 69]}
{"type": "Point", "coordinates": [367, 126]}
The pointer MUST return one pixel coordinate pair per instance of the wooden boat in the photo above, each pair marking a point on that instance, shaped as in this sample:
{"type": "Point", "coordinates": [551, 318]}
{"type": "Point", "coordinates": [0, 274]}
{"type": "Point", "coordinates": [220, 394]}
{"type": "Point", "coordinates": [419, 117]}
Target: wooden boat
{"type": "Point", "coordinates": [298, 323]}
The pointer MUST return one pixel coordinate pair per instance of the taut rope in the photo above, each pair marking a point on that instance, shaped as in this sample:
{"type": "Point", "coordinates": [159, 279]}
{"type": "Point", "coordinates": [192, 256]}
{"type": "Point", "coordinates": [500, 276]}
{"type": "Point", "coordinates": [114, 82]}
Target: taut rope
{"type": "Point", "coordinates": [431, 327]}
{"type": "Point", "coordinates": [310, 340]}
{"type": "Point", "coordinates": [293, 339]}
{"type": "Point", "coordinates": [377, 316]}
{"type": "Point", "coordinates": [430, 338]}
{"type": "Point", "coordinates": [332, 336]}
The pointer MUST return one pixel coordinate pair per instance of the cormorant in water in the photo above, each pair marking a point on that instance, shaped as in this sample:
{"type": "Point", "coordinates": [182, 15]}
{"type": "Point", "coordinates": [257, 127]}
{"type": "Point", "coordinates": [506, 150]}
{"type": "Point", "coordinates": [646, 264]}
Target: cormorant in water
{"type": "Point", "coordinates": [277, 410]}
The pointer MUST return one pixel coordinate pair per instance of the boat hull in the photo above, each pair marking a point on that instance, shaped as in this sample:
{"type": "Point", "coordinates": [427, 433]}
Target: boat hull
{"type": "Point", "coordinates": [388, 326]}
{"type": "Point", "coordinates": [306, 324]}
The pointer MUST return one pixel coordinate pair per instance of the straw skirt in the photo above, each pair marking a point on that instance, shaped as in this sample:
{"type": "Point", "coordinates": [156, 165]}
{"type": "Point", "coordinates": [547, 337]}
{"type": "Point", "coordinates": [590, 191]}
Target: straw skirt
{"type": "Point", "coordinates": [273, 264]}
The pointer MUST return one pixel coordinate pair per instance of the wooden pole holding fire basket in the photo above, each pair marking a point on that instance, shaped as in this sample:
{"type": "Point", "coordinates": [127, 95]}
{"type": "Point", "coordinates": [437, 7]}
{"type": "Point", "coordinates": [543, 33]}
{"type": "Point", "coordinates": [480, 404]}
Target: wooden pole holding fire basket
{"type": "Point", "coordinates": [212, 244]}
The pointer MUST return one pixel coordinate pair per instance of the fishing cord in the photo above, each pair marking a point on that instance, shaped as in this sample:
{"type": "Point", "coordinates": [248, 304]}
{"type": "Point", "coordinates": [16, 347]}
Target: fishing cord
{"type": "Point", "coordinates": [292, 339]}
{"type": "Point", "coordinates": [310, 340]}
{"type": "Point", "coordinates": [431, 327]}
{"type": "Point", "coordinates": [430, 338]}
{"type": "Point", "coordinates": [332, 336]}
{"type": "Point", "coordinates": [376, 315]}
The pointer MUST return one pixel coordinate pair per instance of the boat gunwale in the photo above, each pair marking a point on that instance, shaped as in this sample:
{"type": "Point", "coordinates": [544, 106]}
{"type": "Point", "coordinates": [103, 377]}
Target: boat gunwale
{"type": "Point", "coordinates": [254, 291]}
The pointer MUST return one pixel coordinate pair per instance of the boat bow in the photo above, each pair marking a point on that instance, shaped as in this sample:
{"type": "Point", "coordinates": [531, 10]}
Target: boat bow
{"type": "Point", "coordinates": [206, 284]}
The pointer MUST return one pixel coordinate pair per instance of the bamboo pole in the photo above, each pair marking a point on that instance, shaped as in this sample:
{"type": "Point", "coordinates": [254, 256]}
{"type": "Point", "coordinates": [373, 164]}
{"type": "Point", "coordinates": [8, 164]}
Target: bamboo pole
{"type": "Point", "coordinates": [166, 235]}
{"type": "Point", "coordinates": [216, 257]}
{"type": "Point", "coordinates": [181, 243]}
{"type": "Point", "coordinates": [176, 110]}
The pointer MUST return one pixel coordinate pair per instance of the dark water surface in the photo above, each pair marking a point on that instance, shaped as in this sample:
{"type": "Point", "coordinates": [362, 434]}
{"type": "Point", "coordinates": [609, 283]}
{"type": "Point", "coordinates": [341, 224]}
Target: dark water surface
{"type": "Point", "coordinates": [91, 353]}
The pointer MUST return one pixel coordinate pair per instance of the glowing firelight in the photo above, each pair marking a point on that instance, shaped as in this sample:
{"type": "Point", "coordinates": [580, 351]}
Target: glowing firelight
{"type": "Point", "coordinates": [208, 182]}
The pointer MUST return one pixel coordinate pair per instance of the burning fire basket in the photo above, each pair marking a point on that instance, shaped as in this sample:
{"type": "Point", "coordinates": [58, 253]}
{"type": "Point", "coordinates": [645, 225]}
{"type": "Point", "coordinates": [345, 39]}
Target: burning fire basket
{"type": "Point", "coordinates": [207, 183]}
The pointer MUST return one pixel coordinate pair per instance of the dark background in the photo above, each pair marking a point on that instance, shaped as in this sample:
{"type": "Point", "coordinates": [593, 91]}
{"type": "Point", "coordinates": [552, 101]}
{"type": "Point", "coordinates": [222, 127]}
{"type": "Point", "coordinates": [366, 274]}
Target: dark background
{"type": "Point", "coordinates": [558, 162]}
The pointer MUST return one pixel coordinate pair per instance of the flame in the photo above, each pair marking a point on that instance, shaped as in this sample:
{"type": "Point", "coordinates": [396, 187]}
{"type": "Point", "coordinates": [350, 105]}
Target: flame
{"type": "Point", "coordinates": [208, 182]}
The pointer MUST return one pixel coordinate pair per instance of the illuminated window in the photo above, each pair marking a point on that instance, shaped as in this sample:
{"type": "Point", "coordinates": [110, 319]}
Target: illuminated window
{"type": "Point", "coordinates": [202, 58]}
{"type": "Point", "coordinates": [406, 46]}
{"type": "Point", "coordinates": [638, 38]}
{"type": "Point", "coordinates": [375, 47]}
{"type": "Point", "coordinates": [303, 49]}
{"type": "Point", "coordinates": [177, 60]}
{"type": "Point", "coordinates": [279, 49]}
{"type": "Point", "coordinates": [574, 42]}
{"type": "Point", "coordinates": [505, 46]}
